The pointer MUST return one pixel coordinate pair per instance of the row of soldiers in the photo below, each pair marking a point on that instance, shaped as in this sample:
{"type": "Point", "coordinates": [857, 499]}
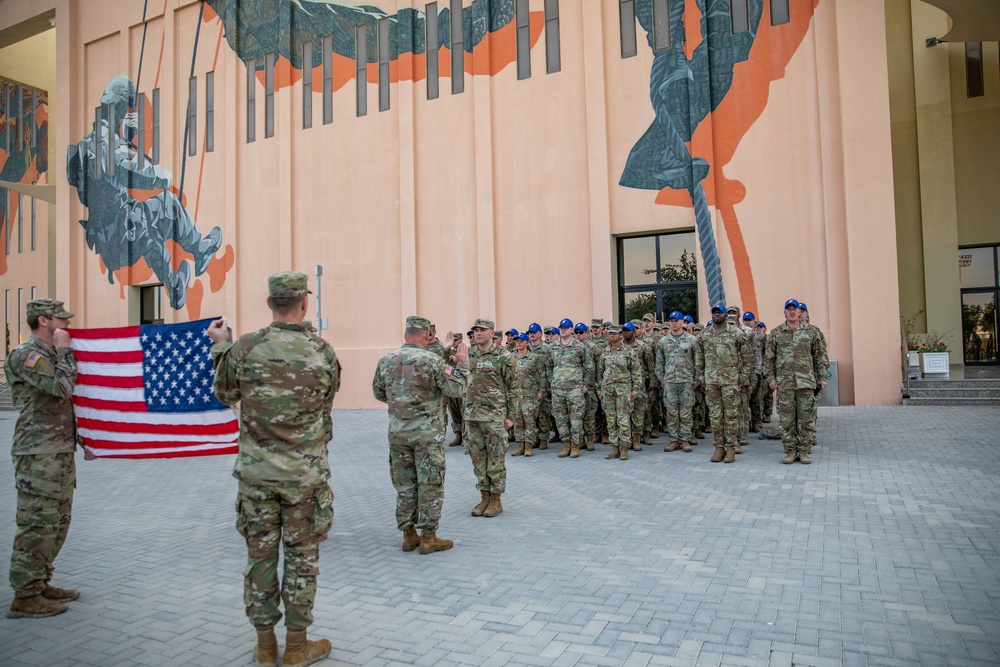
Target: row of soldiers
{"type": "Point", "coordinates": [623, 385]}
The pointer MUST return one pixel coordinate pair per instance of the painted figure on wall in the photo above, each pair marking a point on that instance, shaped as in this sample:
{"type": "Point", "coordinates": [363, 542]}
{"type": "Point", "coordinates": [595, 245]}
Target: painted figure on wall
{"type": "Point", "coordinates": [132, 212]}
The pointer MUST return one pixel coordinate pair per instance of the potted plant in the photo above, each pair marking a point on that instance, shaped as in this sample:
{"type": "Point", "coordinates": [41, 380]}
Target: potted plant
{"type": "Point", "coordinates": [934, 359]}
{"type": "Point", "coordinates": [909, 325]}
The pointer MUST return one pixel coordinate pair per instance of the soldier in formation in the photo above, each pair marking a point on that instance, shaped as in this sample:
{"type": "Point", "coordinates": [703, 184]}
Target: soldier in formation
{"type": "Point", "coordinates": [572, 373]}
{"type": "Point", "coordinates": [675, 372]}
{"type": "Point", "coordinates": [723, 362]}
{"type": "Point", "coordinates": [532, 378]}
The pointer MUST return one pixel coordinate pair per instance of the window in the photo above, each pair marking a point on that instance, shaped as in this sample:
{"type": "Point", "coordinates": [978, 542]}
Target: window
{"type": "Point", "coordinates": [432, 51]}
{"type": "Point", "coordinates": [553, 52]}
{"type": "Point", "coordinates": [251, 100]}
{"type": "Point", "coordinates": [156, 126]}
{"type": "Point", "coordinates": [20, 118]}
{"type": "Point", "coordinates": [661, 24]}
{"type": "Point", "coordinates": [361, 68]}
{"type": "Point", "coordinates": [20, 312]}
{"type": "Point", "coordinates": [151, 304]}
{"type": "Point", "coordinates": [140, 153]}
{"type": "Point", "coordinates": [6, 220]}
{"type": "Point", "coordinates": [6, 321]}
{"type": "Point", "coordinates": [979, 273]}
{"type": "Point", "coordinates": [974, 69]}
{"type": "Point", "coordinates": [269, 95]}
{"type": "Point", "coordinates": [8, 122]}
{"type": "Point", "coordinates": [192, 116]}
{"type": "Point", "coordinates": [384, 56]}
{"type": "Point", "coordinates": [98, 142]}
{"type": "Point", "coordinates": [740, 16]}
{"type": "Point", "coordinates": [626, 15]}
{"type": "Point", "coordinates": [457, 47]}
{"type": "Point", "coordinates": [20, 223]}
{"type": "Point", "coordinates": [779, 12]}
{"type": "Point", "coordinates": [522, 18]}
{"type": "Point", "coordinates": [33, 225]}
{"type": "Point", "coordinates": [109, 116]}
{"type": "Point", "coordinates": [328, 79]}
{"type": "Point", "coordinates": [307, 85]}
{"type": "Point", "coordinates": [657, 274]}
{"type": "Point", "coordinates": [34, 118]}
{"type": "Point", "coordinates": [209, 112]}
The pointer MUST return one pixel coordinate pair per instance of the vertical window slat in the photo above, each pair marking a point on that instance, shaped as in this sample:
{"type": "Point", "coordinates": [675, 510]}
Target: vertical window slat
{"type": "Point", "coordinates": [740, 16]}
{"type": "Point", "coordinates": [384, 55]}
{"type": "Point", "coordinates": [156, 126]}
{"type": "Point", "coordinates": [328, 79]}
{"type": "Point", "coordinates": [626, 16]}
{"type": "Point", "coordinates": [34, 227]}
{"type": "Point", "coordinates": [361, 69]}
{"type": "Point", "coordinates": [20, 118]}
{"type": "Point", "coordinates": [432, 41]}
{"type": "Point", "coordinates": [553, 48]}
{"type": "Point", "coordinates": [109, 146]}
{"type": "Point", "coordinates": [522, 20]}
{"type": "Point", "coordinates": [780, 13]}
{"type": "Point", "coordinates": [209, 112]}
{"type": "Point", "coordinates": [251, 100]}
{"type": "Point", "coordinates": [20, 223]}
{"type": "Point", "coordinates": [192, 116]}
{"type": "Point", "coordinates": [34, 118]}
{"type": "Point", "coordinates": [974, 69]}
{"type": "Point", "coordinates": [307, 90]}
{"type": "Point", "coordinates": [457, 48]}
{"type": "Point", "coordinates": [661, 24]}
{"type": "Point", "coordinates": [140, 153]}
{"type": "Point", "coordinates": [98, 141]}
{"type": "Point", "coordinates": [269, 95]}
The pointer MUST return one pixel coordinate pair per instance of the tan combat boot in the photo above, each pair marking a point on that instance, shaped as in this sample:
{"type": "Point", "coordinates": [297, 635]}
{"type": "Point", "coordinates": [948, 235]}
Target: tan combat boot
{"type": "Point", "coordinates": [590, 443]}
{"type": "Point", "coordinates": [60, 594]}
{"type": "Point", "coordinates": [574, 451]}
{"type": "Point", "coordinates": [623, 453]}
{"type": "Point", "coordinates": [527, 448]}
{"type": "Point", "coordinates": [654, 434]}
{"type": "Point", "coordinates": [430, 542]}
{"type": "Point", "coordinates": [481, 507]}
{"type": "Point", "coordinates": [614, 453]}
{"type": "Point", "coordinates": [605, 439]}
{"type": "Point", "coordinates": [804, 457]}
{"type": "Point", "coordinates": [410, 538]}
{"type": "Point", "coordinates": [494, 507]}
{"type": "Point", "coordinates": [457, 442]}
{"type": "Point", "coordinates": [755, 427]}
{"type": "Point", "coordinates": [685, 446]}
{"type": "Point", "coordinates": [672, 447]}
{"type": "Point", "coordinates": [790, 456]}
{"type": "Point", "coordinates": [693, 441]}
{"type": "Point", "coordinates": [265, 653]}
{"type": "Point", "coordinates": [738, 449]}
{"type": "Point", "coordinates": [718, 454]}
{"type": "Point", "coordinates": [645, 438]}
{"type": "Point", "coordinates": [300, 652]}
{"type": "Point", "coordinates": [519, 451]}
{"type": "Point", "coordinates": [699, 434]}
{"type": "Point", "coordinates": [543, 443]}
{"type": "Point", "coordinates": [730, 456]}
{"type": "Point", "coordinates": [637, 442]}
{"type": "Point", "coordinates": [565, 450]}
{"type": "Point", "coordinates": [35, 606]}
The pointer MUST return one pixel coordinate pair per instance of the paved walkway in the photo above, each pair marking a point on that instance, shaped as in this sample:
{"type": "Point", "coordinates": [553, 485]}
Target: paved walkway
{"type": "Point", "coordinates": [883, 552]}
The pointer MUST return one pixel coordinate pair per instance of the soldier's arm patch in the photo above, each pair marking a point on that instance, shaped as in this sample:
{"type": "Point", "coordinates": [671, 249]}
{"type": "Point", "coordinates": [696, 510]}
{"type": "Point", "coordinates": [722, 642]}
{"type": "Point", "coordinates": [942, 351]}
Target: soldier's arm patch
{"type": "Point", "coordinates": [448, 370]}
{"type": "Point", "coordinates": [32, 360]}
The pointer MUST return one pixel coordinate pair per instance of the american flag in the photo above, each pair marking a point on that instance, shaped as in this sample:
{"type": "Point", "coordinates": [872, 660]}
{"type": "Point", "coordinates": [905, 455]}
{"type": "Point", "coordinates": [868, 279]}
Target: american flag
{"type": "Point", "coordinates": [146, 392]}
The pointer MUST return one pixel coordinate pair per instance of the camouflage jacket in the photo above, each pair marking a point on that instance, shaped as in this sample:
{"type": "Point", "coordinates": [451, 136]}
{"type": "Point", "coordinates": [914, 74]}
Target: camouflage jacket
{"type": "Point", "coordinates": [596, 352]}
{"type": "Point", "coordinates": [675, 358]}
{"type": "Point", "coordinates": [544, 352]}
{"type": "Point", "coordinates": [284, 378]}
{"type": "Point", "coordinates": [437, 347]}
{"type": "Point", "coordinates": [41, 379]}
{"type": "Point", "coordinates": [794, 358]}
{"type": "Point", "coordinates": [619, 369]}
{"type": "Point", "coordinates": [723, 356]}
{"type": "Point", "coordinates": [759, 340]}
{"type": "Point", "coordinates": [493, 394]}
{"type": "Point", "coordinates": [644, 355]}
{"type": "Point", "coordinates": [531, 376]}
{"type": "Point", "coordinates": [411, 381]}
{"type": "Point", "coordinates": [572, 365]}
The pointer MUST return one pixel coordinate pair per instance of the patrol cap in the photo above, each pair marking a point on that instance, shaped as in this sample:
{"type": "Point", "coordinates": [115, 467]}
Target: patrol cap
{"type": "Point", "coordinates": [608, 323]}
{"type": "Point", "coordinates": [47, 308]}
{"type": "Point", "coordinates": [417, 322]}
{"type": "Point", "coordinates": [733, 309]}
{"type": "Point", "coordinates": [689, 319]}
{"type": "Point", "coordinates": [636, 323]}
{"type": "Point", "coordinates": [802, 306]}
{"type": "Point", "coordinates": [534, 327]}
{"type": "Point", "coordinates": [581, 328]}
{"type": "Point", "coordinates": [657, 327]}
{"type": "Point", "coordinates": [699, 327]}
{"type": "Point", "coordinates": [496, 335]}
{"type": "Point", "coordinates": [613, 328]}
{"type": "Point", "coordinates": [457, 335]}
{"type": "Point", "coordinates": [791, 303]}
{"type": "Point", "coordinates": [675, 315]}
{"type": "Point", "coordinates": [566, 323]}
{"type": "Point", "coordinates": [286, 284]}
{"type": "Point", "coordinates": [483, 323]}
{"type": "Point", "coordinates": [749, 316]}
{"type": "Point", "coordinates": [628, 326]}
{"type": "Point", "coordinates": [648, 317]}
{"type": "Point", "coordinates": [719, 308]}
{"type": "Point", "coordinates": [761, 325]}
{"type": "Point", "coordinates": [596, 322]}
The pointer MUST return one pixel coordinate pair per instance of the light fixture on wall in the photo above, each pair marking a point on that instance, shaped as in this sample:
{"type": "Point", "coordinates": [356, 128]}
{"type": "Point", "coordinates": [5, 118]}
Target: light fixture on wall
{"type": "Point", "coordinates": [933, 41]}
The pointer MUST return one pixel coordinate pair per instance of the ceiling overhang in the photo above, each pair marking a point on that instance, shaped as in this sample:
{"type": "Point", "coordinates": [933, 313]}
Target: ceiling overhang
{"type": "Point", "coordinates": [971, 20]}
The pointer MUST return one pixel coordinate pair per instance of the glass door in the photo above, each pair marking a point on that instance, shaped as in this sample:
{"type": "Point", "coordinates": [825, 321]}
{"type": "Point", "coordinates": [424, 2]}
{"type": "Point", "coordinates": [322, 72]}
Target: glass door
{"type": "Point", "coordinates": [979, 327]}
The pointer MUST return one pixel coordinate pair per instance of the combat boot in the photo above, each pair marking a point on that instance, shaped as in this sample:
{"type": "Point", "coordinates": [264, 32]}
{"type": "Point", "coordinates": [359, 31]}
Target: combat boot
{"type": "Point", "coordinates": [543, 443]}
{"type": "Point", "coordinates": [755, 427]}
{"type": "Point", "coordinates": [519, 451]}
{"type": "Point", "coordinates": [430, 542]}
{"type": "Point", "coordinates": [718, 454]}
{"type": "Point", "coordinates": [685, 446]}
{"type": "Point", "coordinates": [495, 507]}
{"type": "Point", "coordinates": [605, 439]}
{"type": "Point", "coordinates": [410, 538]}
{"type": "Point", "coordinates": [60, 594]}
{"type": "Point", "coordinates": [481, 507]}
{"type": "Point", "coordinates": [693, 442]}
{"type": "Point", "coordinates": [623, 453]}
{"type": "Point", "coordinates": [767, 419]}
{"type": "Point", "coordinates": [614, 453]}
{"type": "Point", "coordinates": [590, 443]}
{"type": "Point", "coordinates": [527, 448]}
{"type": "Point", "coordinates": [645, 438]}
{"type": "Point", "coordinates": [654, 434]}
{"type": "Point", "coordinates": [699, 434]}
{"type": "Point", "coordinates": [300, 652]}
{"type": "Point", "coordinates": [637, 442]}
{"type": "Point", "coordinates": [574, 451]}
{"type": "Point", "coordinates": [804, 457]}
{"type": "Point", "coordinates": [565, 450]}
{"type": "Point", "coordinates": [457, 442]}
{"type": "Point", "coordinates": [730, 456]}
{"type": "Point", "coordinates": [738, 449]}
{"type": "Point", "coordinates": [790, 456]}
{"type": "Point", "coordinates": [265, 653]}
{"type": "Point", "coordinates": [672, 447]}
{"type": "Point", "coordinates": [36, 606]}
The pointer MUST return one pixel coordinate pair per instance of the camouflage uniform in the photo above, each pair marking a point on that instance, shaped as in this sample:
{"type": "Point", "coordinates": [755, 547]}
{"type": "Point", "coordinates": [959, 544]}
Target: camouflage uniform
{"type": "Point", "coordinates": [591, 399]}
{"type": "Point", "coordinates": [759, 339]}
{"type": "Point", "coordinates": [284, 378]}
{"type": "Point", "coordinates": [41, 379]}
{"type": "Point", "coordinates": [493, 396]}
{"type": "Point", "coordinates": [572, 369]}
{"type": "Point", "coordinates": [545, 421]}
{"type": "Point", "coordinates": [532, 380]}
{"type": "Point", "coordinates": [675, 370]}
{"type": "Point", "coordinates": [755, 362]}
{"type": "Point", "coordinates": [795, 361]}
{"type": "Point", "coordinates": [640, 408]}
{"type": "Point", "coordinates": [412, 381]}
{"type": "Point", "coordinates": [619, 377]}
{"type": "Point", "coordinates": [723, 361]}
{"type": "Point", "coordinates": [455, 403]}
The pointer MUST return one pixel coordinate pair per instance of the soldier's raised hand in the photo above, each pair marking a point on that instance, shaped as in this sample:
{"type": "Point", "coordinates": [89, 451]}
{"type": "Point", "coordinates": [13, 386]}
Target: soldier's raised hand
{"type": "Point", "coordinates": [61, 338]}
{"type": "Point", "coordinates": [462, 351]}
{"type": "Point", "coordinates": [219, 331]}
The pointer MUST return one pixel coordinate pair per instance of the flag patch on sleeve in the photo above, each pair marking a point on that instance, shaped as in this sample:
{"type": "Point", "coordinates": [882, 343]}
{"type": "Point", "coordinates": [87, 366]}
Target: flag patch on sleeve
{"type": "Point", "coordinates": [32, 360]}
{"type": "Point", "coordinates": [448, 370]}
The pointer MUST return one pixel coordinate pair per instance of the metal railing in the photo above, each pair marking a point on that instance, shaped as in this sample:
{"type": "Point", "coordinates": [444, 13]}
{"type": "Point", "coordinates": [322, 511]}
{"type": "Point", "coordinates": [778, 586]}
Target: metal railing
{"type": "Point", "coordinates": [906, 361]}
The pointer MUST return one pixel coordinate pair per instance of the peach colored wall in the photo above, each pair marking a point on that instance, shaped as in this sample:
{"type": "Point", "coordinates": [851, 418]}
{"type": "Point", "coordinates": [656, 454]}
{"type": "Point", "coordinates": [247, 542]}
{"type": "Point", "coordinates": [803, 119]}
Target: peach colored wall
{"type": "Point", "coordinates": [503, 201]}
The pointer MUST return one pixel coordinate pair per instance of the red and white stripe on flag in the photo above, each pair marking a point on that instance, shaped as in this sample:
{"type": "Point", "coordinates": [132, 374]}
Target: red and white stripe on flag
{"type": "Point", "coordinates": [113, 384]}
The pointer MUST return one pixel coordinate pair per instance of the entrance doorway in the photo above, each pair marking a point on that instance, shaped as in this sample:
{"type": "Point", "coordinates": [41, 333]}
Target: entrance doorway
{"type": "Point", "coordinates": [980, 275]}
{"type": "Point", "coordinates": [657, 274]}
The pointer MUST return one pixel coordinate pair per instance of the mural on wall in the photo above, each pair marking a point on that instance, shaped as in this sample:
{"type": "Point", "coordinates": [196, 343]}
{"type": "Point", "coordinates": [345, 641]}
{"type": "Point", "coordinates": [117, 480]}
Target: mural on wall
{"type": "Point", "coordinates": [24, 129]}
{"type": "Point", "coordinates": [708, 73]}
{"type": "Point", "coordinates": [132, 210]}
